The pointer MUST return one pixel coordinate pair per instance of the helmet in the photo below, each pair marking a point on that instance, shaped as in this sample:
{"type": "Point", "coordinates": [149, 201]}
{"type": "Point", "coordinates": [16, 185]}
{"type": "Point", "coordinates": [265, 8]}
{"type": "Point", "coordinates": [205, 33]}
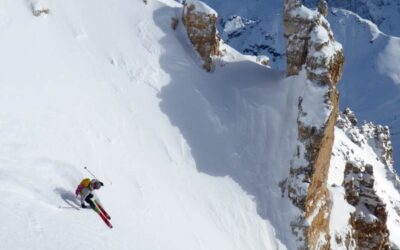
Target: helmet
{"type": "Point", "coordinates": [97, 184]}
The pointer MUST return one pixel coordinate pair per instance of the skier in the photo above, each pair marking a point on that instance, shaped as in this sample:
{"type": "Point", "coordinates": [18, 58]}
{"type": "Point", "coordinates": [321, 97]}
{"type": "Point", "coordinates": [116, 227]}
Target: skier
{"type": "Point", "coordinates": [85, 190]}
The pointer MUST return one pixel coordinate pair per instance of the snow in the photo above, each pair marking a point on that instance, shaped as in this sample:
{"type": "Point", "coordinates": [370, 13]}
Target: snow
{"type": "Point", "coordinates": [263, 30]}
{"type": "Point", "coordinates": [368, 84]}
{"type": "Point", "coordinates": [234, 24]}
{"type": "Point", "coordinates": [190, 160]}
{"type": "Point", "coordinates": [389, 60]}
{"type": "Point", "coordinates": [304, 13]}
{"type": "Point", "coordinates": [319, 35]}
{"type": "Point", "coordinates": [313, 104]}
{"type": "Point", "coordinates": [385, 13]}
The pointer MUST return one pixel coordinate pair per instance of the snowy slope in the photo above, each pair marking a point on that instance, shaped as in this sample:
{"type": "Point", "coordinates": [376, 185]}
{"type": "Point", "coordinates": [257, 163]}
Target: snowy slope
{"type": "Point", "coordinates": [190, 160]}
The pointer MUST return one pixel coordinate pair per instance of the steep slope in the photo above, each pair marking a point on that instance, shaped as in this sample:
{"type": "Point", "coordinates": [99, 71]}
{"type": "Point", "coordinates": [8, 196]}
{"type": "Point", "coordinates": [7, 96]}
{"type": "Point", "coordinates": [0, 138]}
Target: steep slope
{"type": "Point", "coordinates": [190, 160]}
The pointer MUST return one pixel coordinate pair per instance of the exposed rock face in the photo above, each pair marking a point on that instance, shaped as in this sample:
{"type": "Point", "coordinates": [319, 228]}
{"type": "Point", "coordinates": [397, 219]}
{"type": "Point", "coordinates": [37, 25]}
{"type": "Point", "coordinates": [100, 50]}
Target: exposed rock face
{"type": "Point", "coordinates": [318, 198]}
{"type": "Point", "coordinates": [310, 46]}
{"type": "Point", "coordinates": [369, 219]}
{"type": "Point", "coordinates": [310, 42]}
{"type": "Point", "coordinates": [201, 25]}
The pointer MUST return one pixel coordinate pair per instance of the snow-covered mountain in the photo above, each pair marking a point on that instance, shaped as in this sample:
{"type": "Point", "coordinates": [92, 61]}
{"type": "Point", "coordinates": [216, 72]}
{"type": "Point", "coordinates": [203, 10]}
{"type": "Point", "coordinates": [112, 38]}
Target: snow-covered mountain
{"type": "Point", "coordinates": [199, 145]}
{"type": "Point", "coordinates": [384, 13]}
{"type": "Point", "coordinates": [370, 84]}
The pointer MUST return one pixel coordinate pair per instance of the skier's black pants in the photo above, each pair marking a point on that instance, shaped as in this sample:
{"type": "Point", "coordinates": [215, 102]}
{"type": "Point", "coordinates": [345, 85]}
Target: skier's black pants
{"type": "Point", "coordinates": [88, 199]}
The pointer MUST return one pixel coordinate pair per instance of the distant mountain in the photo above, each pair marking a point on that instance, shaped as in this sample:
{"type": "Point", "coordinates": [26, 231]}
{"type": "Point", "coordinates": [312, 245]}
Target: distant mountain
{"type": "Point", "coordinates": [384, 13]}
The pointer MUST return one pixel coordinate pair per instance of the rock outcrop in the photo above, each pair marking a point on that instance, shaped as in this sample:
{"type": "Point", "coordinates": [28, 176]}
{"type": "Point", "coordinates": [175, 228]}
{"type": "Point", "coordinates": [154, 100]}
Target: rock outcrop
{"type": "Point", "coordinates": [323, 7]}
{"type": "Point", "coordinates": [368, 227]}
{"type": "Point", "coordinates": [369, 230]}
{"type": "Point", "coordinates": [311, 47]}
{"type": "Point", "coordinates": [201, 25]}
{"type": "Point", "coordinates": [310, 43]}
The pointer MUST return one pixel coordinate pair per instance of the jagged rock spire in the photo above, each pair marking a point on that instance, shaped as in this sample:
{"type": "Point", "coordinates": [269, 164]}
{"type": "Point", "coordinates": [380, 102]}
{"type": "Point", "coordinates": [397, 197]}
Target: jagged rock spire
{"type": "Point", "coordinates": [323, 7]}
{"type": "Point", "coordinates": [310, 43]}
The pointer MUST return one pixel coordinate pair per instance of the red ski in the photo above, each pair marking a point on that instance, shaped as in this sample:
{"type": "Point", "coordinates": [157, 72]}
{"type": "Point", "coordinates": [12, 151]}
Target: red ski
{"type": "Point", "coordinates": [103, 214]}
{"type": "Point", "coordinates": [103, 217]}
{"type": "Point", "coordinates": [103, 211]}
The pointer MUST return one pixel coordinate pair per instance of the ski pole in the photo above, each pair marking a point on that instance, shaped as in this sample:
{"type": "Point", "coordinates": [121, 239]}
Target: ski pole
{"type": "Point", "coordinates": [90, 172]}
{"type": "Point", "coordinates": [86, 168]}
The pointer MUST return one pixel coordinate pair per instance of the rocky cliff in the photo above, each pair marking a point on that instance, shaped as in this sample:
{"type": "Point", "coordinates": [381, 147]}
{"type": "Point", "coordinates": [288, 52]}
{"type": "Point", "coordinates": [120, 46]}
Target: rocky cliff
{"type": "Point", "coordinates": [312, 49]}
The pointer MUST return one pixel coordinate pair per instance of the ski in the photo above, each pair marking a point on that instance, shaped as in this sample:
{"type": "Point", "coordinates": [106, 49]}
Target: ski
{"type": "Point", "coordinates": [103, 217]}
{"type": "Point", "coordinates": [103, 211]}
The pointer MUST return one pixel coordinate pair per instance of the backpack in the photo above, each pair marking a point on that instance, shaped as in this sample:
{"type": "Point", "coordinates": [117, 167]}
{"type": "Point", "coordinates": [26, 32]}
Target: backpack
{"type": "Point", "coordinates": [84, 184]}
